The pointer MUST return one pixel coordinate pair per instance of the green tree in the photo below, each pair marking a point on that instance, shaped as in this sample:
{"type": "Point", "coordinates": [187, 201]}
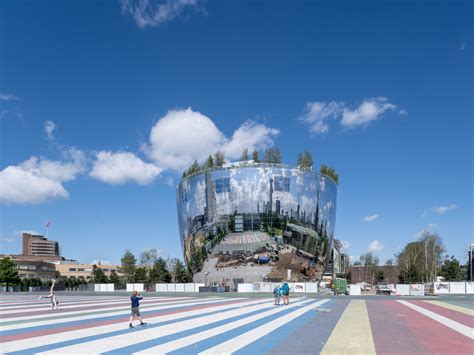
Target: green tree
{"type": "Point", "coordinates": [98, 275]}
{"type": "Point", "coordinates": [330, 172]}
{"type": "Point", "coordinates": [451, 269]}
{"type": "Point", "coordinates": [8, 274]}
{"type": "Point", "coordinates": [255, 157]}
{"type": "Point", "coordinates": [272, 155]}
{"type": "Point", "coordinates": [128, 266]}
{"type": "Point", "coordinates": [141, 275]}
{"type": "Point", "coordinates": [209, 162]}
{"type": "Point", "coordinates": [179, 272]}
{"type": "Point", "coordinates": [305, 161]}
{"type": "Point", "coordinates": [389, 262]}
{"type": "Point", "coordinates": [148, 258]}
{"type": "Point", "coordinates": [370, 263]}
{"type": "Point", "coordinates": [115, 279]}
{"type": "Point", "coordinates": [299, 160]}
{"type": "Point", "coordinates": [245, 155]}
{"type": "Point", "coordinates": [380, 276]}
{"type": "Point", "coordinates": [159, 272]}
{"type": "Point", "coordinates": [219, 158]}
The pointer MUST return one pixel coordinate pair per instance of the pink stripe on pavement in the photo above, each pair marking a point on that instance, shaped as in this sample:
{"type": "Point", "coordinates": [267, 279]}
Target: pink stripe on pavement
{"type": "Point", "coordinates": [7, 338]}
{"type": "Point", "coordinates": [459, 317]}
{"type": "Point", "coordinates": [390, 334]}
{"type": "Point", "coordinates": [435, 337]}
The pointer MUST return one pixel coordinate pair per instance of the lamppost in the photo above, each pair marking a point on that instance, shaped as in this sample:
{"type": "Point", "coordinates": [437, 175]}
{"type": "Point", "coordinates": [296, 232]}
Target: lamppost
{"type": "Point", "coordinates": [205, 278]}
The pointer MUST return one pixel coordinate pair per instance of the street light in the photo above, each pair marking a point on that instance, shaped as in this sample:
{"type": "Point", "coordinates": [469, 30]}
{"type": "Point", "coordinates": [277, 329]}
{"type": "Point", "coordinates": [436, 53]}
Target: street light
{"type": "Point", "coordinates": [205, 278]}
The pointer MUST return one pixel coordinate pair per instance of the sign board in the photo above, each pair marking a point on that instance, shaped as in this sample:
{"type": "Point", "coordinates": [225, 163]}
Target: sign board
{"type": "Point", "coordinates": [135, 287]}
{"type": "Point", "coordinates": [441, 287]}
{"type": "Point", "coordinates": [299, 287]}
{"type": "Point", "coordinates": [457, 287]}
{"type": "Point", "coordinates": [311, 287]}
{"type": "Point", "coordinates": [417, 290]}
{"type": "Point", "coordinates": [402, 290]}
{"type": "Point", "coordinates": [354, 290]}
{"type": "Point", "coordinates": [245, 288]}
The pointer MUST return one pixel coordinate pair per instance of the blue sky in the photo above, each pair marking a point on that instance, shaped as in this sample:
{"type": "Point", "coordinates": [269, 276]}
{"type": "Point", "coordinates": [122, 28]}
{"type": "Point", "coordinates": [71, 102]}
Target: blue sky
{"type": "Point", "coordinates": [102, 104]}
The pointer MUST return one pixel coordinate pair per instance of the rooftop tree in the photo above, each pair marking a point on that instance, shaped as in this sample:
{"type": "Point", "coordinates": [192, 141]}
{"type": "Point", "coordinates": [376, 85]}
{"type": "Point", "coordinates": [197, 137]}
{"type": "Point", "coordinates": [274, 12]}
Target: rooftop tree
{"type": "Point", "coordinates": [330, 172]}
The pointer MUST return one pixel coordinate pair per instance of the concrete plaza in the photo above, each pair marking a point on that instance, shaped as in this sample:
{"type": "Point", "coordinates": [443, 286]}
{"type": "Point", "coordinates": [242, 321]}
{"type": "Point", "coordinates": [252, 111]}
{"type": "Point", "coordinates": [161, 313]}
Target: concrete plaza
{"type": "Point", "coordinates": [87, 323]}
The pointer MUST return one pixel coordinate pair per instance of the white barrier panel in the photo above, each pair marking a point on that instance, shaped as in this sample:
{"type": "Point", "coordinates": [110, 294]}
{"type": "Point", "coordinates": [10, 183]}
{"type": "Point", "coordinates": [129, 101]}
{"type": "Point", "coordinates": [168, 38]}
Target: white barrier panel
{"type": "Point", "coordinates": [392, 287]}
{"type": "Point", "coordinates": [457, 287]}
{"type": "Point", "coordinates": [311, 287]}
{"type": "Point", "coordinates": [354, 290]}
{"type": "Point", "coordinates": [441, 287]}
{"type": "Point", "coordinates": [110, 287]}
{"type": "Point", "coordinates": [402, 290]}
{"type": "Point", "coordinates": [299, 287]}
{"type": "Point", "coordinates": [171, 287]}
{"type": "Point", "coordinates": [470, 287]}
{"type": "Point", "coordinates": [179, 287]}
{"type": "Point", "coordinates": [189, 287]}
{"type": "Point", "coordinates": [96, 287]}
{"type": "Point", "coordinates": [245, 288]}
{"type": "Point", "coordinates": [161, 287]}
{"type": "Point", "coordinates": [196, 287]}
{"type": "Point", "coordinates": [417, 290]}
{"type": "Point", "coordinates": [292, 286]}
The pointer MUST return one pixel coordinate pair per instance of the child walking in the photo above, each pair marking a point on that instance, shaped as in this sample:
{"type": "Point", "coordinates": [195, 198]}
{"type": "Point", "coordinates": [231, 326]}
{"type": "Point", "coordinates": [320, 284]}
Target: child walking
{"type": "Point", "coordinates": [277, 294]}
{"type": "Point", "coordinates": [51, 296]}
{"type": "Point", "coordinates": [136, 297]}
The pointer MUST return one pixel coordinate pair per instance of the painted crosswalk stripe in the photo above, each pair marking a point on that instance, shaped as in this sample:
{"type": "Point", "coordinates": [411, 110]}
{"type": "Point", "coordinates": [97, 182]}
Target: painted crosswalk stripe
{"type": "Point", "coordinates": [352, 333]}
{"type": "Point", "coordinates": [12, 327]}
{"type": "Point", "coordinates": [460, 328]}
{"type": "Point", "coordinates": [469, 312]}
{"type": "Point", "coordinates": [150, 332]}
{"type": "Point", "coordinates": [84, 335]}
{"type": "Point", "coordinates": [197, 337]}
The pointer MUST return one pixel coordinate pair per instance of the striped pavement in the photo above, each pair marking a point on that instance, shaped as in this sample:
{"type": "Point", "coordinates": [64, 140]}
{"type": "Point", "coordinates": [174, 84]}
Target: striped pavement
{"type": "Point", "coordinates": [224, 325]}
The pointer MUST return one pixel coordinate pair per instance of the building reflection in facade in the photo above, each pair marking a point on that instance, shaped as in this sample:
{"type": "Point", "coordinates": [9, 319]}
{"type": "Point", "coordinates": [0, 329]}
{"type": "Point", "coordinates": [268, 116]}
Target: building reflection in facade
{"type": "Point", "coordinates": [265, 214]}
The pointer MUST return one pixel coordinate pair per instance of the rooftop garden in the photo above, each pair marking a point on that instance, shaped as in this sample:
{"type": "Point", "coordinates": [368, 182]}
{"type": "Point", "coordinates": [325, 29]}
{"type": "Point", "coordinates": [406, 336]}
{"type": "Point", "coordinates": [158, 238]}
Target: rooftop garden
{"type": "Point", "coordinates": [304, 162]}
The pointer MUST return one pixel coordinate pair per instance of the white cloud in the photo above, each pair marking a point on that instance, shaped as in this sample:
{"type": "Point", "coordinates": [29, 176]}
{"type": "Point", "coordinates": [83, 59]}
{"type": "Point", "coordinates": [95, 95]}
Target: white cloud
{"type": "Point", "coordinates": [37, 180]}
{"type": "Point", "coordinates": [154, 13]}
{"type": "Point", "coordinates": [8, 97]}
{"type": "Point", "coordinates": [443, 209]}
{"type": "Point", "coordinates": [463, 46]}
{"type": "Point", "coordinates": [49, 127]}
{"type": "Point", "coordinates": [8, 240]}
{"type": "Point", "coordinates": [182, 136]}
{"type": "Point", "coordinates": [432, 226]}
{"type": "Point", "coordinates": [368, 111]}
{"type": "Point", "coordinates": [374, 247]}
{"type": "Point", "coordinates": [370, 218]}
{"type": "Point", "coordinates": [119, 168]}
{"type": "Point", "coordinates": [345, 245]}
{"type": "Point", "coordinates": [316, 114]}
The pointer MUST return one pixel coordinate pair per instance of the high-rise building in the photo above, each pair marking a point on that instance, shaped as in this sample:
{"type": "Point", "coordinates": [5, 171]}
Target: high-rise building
{"type": "Point", "coordinates": [38, 245]}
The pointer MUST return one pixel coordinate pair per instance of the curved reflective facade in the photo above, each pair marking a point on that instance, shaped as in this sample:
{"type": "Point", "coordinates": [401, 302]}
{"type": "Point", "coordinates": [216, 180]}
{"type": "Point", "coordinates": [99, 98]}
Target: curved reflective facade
{"type": "Point", "coordinates": [245, 218]}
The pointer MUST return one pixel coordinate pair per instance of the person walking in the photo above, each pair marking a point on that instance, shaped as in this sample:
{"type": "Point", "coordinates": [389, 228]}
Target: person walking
{"type": "Point", "coordinates": [51, 296]}
{"type": "Point", "coordinates": [135, 299]}
{"type": "Point", "coordinates": [285, 290]}
{"type": "Point", "coordinates": [277, 295]}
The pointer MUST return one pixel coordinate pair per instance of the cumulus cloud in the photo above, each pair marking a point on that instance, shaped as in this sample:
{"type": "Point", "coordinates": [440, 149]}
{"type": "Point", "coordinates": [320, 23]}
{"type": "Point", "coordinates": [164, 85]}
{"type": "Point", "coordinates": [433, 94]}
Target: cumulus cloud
{"type": "Point", "coordinates": [8, 97]}
{"type": "Point", "coordinates": [370, 218]}
{"type": "Point", "coordinates": [443, 209]}
{"type": "Point", "coordinates": [49, 127]}
{"type": "Point", "coordinates": [182, 136]}
{"type": "Point", "coordinates": [37, 179]}
{"type": "Point", "coordinates": [317, 114]}
{"type": "Point", "coordinates": [153, 13]}
{"type": "Point", "coordinates": [368, 111]}
{"type": "Point", "coordinates": [345, 245]}
{"type": "Point", "coordinates": [374, 247]}
{"type": "Point", "coordinates": [119, 168]}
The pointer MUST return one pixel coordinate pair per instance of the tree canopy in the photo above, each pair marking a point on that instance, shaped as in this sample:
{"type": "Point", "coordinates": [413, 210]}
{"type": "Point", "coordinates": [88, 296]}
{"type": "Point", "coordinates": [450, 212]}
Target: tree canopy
{"type": "Point", "coordinates": [329, 171]}
{"type": "Point", "coordinates": [128, 266]}
{"type": "Point", "coordinates": [8, 274]}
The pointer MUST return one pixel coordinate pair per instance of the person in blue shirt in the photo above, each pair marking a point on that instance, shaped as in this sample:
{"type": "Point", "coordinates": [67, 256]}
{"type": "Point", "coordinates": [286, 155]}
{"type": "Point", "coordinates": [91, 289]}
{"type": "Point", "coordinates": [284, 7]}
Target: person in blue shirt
{"type": "Point", "coordinates": [285, 290]}
{"type": "Point", "coordinates": [135, 298]}
{"type": "Point", "coordinates": [277, 294]}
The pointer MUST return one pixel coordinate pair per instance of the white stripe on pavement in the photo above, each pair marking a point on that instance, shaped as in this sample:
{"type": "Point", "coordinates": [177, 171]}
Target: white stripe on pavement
{"type": "Point", "coordinates": [197, 337]}
{"type": "Point", "coordinates": [249, 337]}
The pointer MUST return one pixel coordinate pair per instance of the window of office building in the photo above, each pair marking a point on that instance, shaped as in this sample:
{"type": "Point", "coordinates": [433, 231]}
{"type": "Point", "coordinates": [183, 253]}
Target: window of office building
{"type": "Point", "coordinates": [72, 269]}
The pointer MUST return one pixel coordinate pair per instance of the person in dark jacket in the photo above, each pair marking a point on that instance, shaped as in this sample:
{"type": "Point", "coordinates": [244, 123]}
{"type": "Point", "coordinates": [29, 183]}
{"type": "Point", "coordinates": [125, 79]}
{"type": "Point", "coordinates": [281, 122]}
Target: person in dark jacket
{"type": "Point", "coordinates": [135, 298]}
{"type": "Point", "coordinates": [285, 290]}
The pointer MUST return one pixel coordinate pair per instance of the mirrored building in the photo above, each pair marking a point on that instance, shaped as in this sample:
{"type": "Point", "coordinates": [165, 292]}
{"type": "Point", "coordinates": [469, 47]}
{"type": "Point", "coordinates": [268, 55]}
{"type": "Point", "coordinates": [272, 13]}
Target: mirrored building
{"type": "Point", "coordinates": [255, 221]}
